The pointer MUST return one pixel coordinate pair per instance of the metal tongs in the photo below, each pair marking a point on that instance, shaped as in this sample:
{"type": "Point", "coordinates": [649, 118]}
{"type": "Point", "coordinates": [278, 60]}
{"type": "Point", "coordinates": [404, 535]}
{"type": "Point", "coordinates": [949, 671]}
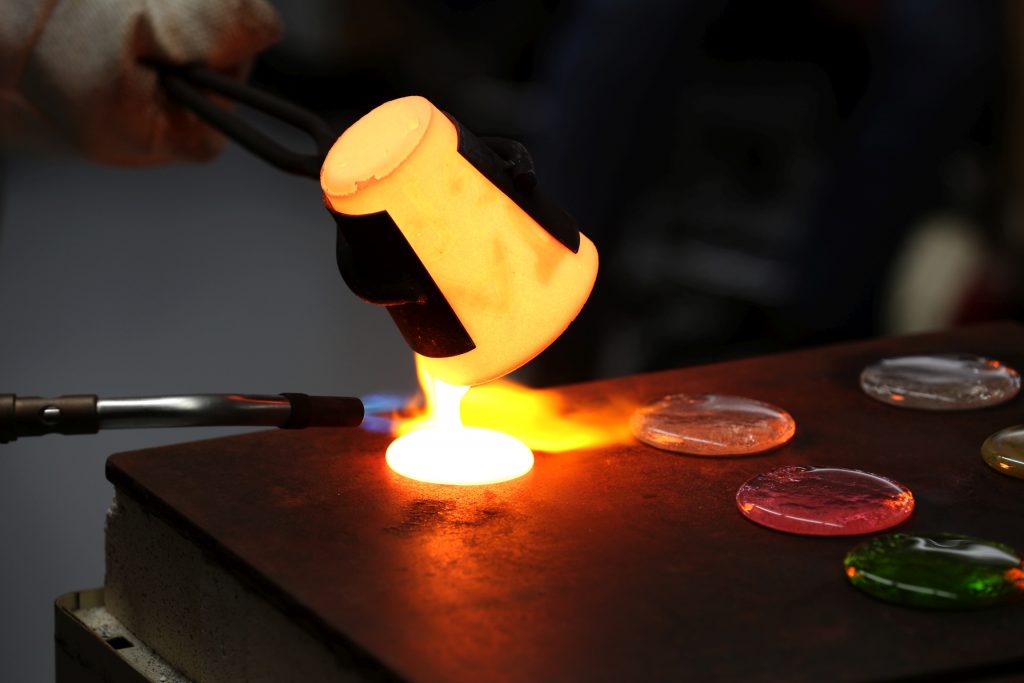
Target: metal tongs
{"type": "Point", "coordinates": [187, 86]}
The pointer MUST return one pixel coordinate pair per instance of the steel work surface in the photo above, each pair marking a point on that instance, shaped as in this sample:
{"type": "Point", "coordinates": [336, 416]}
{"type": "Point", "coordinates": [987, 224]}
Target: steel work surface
{"type": "Point", "coordinates": [613, 564]}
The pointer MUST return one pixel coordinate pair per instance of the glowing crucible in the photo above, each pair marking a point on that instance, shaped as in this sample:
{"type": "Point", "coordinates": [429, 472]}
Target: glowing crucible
{"type": "Point", "coordinates": [509, 285]}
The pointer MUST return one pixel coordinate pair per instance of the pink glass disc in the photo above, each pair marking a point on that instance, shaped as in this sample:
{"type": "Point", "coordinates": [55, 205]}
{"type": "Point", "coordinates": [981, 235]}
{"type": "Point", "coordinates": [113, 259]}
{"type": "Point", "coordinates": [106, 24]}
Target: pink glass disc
{"type": "Point", "coordinates": [824, 501]}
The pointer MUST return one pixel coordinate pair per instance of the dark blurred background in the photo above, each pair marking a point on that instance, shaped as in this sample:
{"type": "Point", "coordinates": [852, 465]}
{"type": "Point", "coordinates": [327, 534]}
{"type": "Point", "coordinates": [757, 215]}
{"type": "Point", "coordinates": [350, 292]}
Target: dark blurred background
{"type": "Point", "coordinates": [756, 176]}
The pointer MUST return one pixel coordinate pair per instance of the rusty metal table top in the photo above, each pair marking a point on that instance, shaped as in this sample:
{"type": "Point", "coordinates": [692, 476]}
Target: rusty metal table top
{"type": "Point", "coordinates": [615, 563]}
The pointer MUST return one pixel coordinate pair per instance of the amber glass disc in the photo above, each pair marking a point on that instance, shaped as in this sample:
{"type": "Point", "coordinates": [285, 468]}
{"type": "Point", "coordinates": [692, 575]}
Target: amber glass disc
{"type": "Point", "coordinates": [1004, 451]}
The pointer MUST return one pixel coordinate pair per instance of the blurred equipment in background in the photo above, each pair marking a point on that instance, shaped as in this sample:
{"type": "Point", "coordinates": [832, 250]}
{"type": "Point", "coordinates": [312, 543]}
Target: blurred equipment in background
{"type": "Point", "coordinates": [935, 72]}
{"type": "Point", "coordinates": [778, 156]}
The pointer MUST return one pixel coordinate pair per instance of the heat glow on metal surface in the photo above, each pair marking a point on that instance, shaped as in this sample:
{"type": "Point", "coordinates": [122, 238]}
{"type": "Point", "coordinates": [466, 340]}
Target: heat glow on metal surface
{"type": "Point", "coordinates": [437, 448]}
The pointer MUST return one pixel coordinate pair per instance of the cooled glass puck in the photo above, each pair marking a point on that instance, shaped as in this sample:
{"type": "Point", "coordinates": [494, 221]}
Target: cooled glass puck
{"type": "Point", "coordinates": [711, 424]}
{"type": "Point", "coordinates": [824, 501]}
{"type": "Point", "coordinates": [1004, 451]}
{"type": "Point", "coordinates": [935, 570]}
{"type": "Point", "coordinates": [940, 382]}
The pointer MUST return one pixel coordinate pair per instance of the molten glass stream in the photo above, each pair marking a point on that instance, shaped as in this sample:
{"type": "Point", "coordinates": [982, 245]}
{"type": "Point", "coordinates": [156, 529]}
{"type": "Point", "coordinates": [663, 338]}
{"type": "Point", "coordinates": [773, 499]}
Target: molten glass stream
{"type": "Point", "coordinates": [443, 451]}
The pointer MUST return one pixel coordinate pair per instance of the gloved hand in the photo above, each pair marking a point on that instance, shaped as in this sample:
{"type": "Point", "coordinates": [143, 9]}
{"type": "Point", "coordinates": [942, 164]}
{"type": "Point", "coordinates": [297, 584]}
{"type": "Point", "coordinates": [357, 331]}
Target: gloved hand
{"type": "Point", "coordinates": [70, 71]}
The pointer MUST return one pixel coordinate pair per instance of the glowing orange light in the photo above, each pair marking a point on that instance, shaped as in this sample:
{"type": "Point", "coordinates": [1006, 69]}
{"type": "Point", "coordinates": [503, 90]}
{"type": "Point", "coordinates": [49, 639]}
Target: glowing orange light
{"type": "Point", "coordinates": [546, 420]}
{"type": "Point", "coordinates": [440, 450]}
{"type": "Point", "coordinates": [901, 501]}
{"type": "Point", "coordinates": [513, 286]}
{"type": "Point", "coordinates": [897, 397]}
{"type": "Point", "coordinates": [542, 419]}
{"type": "Point", "coordinates": [463, 456]}
{"type": "Point", "coordinates": [851, 572]}
{"type": "Point", "coordinates": [1015, 576]}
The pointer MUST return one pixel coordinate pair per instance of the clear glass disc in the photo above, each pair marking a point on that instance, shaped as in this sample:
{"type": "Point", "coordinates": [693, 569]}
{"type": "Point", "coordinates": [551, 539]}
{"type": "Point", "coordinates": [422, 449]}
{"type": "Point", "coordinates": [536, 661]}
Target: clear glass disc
{"type": "Point", "coordinates": [712, 425]}
{"type": "Point", "coordinates": [940, 382]}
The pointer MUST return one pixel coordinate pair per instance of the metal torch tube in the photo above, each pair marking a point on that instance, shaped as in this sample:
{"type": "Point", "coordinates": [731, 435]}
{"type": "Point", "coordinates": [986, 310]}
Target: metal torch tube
{"type": "Point", "coordinates": [87, 414]}
{"type": "Point", "coordinates": [193, 410]}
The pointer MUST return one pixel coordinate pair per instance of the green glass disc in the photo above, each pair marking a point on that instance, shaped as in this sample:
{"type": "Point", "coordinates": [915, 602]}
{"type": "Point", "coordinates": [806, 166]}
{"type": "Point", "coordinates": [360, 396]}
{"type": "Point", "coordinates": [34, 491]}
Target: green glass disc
{"type": "Point", "coordinates": [937, 571]}
{"type": "Point", "coordinates": [1004, 451]}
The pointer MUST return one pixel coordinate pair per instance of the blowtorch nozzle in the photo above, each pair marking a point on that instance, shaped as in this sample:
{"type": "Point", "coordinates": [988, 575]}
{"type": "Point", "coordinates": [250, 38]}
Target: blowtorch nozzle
{"type": "Point", "coordinates": [87, 414]}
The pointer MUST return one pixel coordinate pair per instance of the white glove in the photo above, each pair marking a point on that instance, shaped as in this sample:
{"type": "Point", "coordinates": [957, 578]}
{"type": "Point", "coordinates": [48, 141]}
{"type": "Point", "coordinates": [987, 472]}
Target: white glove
{"type": "Point", "coordinates": [69, 69]}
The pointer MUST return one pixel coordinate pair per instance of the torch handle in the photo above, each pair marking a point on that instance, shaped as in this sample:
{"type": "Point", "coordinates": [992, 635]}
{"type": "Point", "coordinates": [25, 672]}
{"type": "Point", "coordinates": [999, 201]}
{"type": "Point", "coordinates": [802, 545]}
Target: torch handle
{"type": "Point", "coordinates": [34, 416]}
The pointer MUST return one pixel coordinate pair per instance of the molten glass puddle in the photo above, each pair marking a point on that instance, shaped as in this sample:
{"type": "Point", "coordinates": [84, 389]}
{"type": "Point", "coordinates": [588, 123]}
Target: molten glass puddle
{"type": "Point", "coordinates": [441, 450]}
{"type": "Point", "coordinates": [463, 456]}
{"type": "Point", "coordinates": [487, 435]}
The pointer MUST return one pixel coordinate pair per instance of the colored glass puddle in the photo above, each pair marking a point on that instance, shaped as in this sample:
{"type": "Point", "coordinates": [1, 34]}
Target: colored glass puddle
{"type": "Point", "coordinates": [1004, 451]}
{"type": "Point", "coordinates": [711, 424]}
{"type": "Point", "coordinates": [940, 382]}
{"type": "Point", "coordinates": [936, 571]}
{"type": "Point", "coordinates": [824, 501]}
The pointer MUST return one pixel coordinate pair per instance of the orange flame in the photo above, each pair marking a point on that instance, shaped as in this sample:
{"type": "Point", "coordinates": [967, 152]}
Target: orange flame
{"type": "Point", "coordinates": [542, 419]}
